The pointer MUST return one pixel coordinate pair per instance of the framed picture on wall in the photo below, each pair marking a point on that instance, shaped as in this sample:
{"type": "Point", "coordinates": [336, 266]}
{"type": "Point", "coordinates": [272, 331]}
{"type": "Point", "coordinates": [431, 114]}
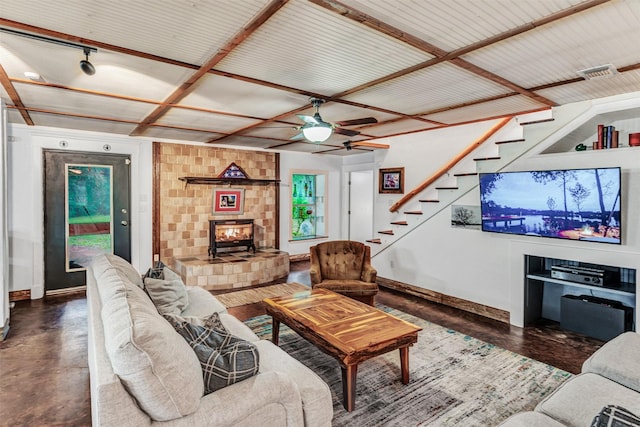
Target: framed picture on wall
{"type": "Point", "coordinates": [391, 181]}
{"type": "Point", "coordinates": [228, 201]}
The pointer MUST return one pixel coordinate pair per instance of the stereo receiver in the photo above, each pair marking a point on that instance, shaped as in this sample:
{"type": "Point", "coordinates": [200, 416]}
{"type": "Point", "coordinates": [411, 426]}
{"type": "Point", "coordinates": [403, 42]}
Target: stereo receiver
{"type": "Point", "coordinates": [586, 275]}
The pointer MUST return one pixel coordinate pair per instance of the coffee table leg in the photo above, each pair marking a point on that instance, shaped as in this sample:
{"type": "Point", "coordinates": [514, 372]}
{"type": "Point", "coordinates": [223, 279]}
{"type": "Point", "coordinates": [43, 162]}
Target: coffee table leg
{"type": "Point", "coordinates": [404, 364]}
{"type": "Point", "coordinates": [275, 331]}
{"type": "Point", "coordinates": [349, 387]}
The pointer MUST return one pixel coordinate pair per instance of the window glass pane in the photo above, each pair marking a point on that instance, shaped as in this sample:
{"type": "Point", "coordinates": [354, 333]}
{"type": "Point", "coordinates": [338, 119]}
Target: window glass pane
{"type": "Point", "coordinates": [88, 213]}
{"type": "Point", "coordinates": [307, 206]}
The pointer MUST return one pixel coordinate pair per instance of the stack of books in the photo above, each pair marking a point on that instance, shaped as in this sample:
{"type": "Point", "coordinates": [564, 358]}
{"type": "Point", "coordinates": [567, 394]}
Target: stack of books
{"type": "Point", "coordinates": [607, 138]}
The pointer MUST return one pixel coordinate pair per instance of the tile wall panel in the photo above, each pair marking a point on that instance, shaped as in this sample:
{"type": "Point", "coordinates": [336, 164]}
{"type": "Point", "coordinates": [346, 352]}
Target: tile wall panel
{"type": "Point", "coordinates": [185, 210]}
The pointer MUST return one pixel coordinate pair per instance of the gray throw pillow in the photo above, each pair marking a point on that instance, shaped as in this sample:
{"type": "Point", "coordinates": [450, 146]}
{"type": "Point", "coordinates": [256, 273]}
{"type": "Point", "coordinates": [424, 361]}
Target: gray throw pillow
{"type": "Point", "coordinates": [168, 293]}
{"type": "Point", "coordinates": [615, 416]}
{"type": "Point", "coordinates": [225, 359]}
{"type": "Point", "coordinates": [211, 321]}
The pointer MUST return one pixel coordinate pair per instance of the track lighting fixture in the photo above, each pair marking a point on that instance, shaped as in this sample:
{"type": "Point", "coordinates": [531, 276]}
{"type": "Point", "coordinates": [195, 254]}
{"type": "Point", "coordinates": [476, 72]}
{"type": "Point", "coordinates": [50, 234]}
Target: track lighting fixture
{"type": "Point", "coordinates": [86, 66]}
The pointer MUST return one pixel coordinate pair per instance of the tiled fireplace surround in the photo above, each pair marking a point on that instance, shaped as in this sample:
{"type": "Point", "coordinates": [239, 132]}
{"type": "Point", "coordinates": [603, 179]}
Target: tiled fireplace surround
{"type": "Point", "coordinates": [184, 210]}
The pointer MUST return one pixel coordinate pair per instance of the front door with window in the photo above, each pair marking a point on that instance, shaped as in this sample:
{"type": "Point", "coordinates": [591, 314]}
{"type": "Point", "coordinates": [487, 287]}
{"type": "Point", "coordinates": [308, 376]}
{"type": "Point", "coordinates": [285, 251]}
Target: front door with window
{"type": "Point", "coordinates": [87, 208]}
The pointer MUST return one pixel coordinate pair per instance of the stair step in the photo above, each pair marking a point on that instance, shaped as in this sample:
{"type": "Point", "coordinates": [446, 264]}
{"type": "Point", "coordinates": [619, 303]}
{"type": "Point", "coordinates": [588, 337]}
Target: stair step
{"type": "Point", "coordinates": [389, 232]}
{"type": "Point", "coordinates": [413, 212]}
{"type": "Point", "coordinates": [479, 159]}
{"type": "Point", "coordinates": [509, 141]}
{"type": "Point", "coordinates": [429, 201]}
{"type": "Point", "coordinates": [446, 188]}
{"type": "Point", "coordinates": [400, 223]}
{"type": "Point", "coordinates": [536, 122]}
{"type": "Point", "coordinates": [466, 174]}
{"type": "Point", "coordinates": [376, 241]}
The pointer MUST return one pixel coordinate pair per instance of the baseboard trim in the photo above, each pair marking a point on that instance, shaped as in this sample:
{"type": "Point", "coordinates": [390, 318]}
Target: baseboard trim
{"type": "Point", "coordinates": [448, 300]}
{"type": "Point", "coordinates": [20, 295]}
{"type": "Point", "coordinates": [299, 257]}
{"type": "Point", "coordinates": [66, 291]}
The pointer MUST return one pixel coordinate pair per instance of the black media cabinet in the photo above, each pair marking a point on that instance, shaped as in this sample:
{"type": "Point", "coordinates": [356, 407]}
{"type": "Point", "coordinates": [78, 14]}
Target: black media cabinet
{"type": "Point", "coordinates": [600, 311]}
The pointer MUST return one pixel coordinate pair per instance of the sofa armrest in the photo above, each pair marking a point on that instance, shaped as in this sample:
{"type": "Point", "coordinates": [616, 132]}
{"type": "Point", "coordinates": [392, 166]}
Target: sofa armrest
{"type": "Point", "coordinates": [618, 360]}
{"type": "Point", "coordinates": [265, 399]}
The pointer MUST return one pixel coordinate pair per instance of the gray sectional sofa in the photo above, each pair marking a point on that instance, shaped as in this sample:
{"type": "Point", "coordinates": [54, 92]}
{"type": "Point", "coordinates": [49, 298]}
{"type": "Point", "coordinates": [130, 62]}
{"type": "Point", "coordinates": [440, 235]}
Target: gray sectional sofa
{"type": "Point", "coordinates": [142, 372]}
{"type": "Point", "coordinates": [611, 376]}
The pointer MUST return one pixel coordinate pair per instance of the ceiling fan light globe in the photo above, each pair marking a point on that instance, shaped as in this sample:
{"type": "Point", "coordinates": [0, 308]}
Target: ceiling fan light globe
{"type": "Point", "coordinates": [317, 133]}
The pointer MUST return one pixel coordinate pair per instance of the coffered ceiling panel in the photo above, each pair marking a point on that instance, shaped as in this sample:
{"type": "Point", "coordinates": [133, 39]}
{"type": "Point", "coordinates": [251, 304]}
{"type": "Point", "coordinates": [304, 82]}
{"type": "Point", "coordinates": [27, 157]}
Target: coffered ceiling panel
{"type": "Point", "coordinates": [70, 122]}
{"type": "Point", "coordinates": [596, 88]}
{"type": "Point", "coordinates": [235, 96]}
{"type": "Point", "coordinates": [451, 25]}
{"type": "Point", "coordinates": [189, 31]}
{"type": "Point", "coordinates": [429, 89]}
{"type": "Point", "coordinates": [446, 61]}
{"type": "Point", "coordinates": [501, 107]}
{"type": "Point", "coordinates": [308, 47]}
{"type": "Point", "coordinates": [555, 52]}
{"type": "Point", "coordinates": [198, 120]}
{"type": "Point", "coordinates": [70, 102]}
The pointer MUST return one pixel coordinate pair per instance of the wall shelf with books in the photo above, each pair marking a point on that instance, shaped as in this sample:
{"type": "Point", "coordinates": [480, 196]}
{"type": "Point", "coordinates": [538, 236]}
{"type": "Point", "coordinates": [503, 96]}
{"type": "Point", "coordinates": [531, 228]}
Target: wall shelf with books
{"type": "Point", "coordinates": [626, 123]}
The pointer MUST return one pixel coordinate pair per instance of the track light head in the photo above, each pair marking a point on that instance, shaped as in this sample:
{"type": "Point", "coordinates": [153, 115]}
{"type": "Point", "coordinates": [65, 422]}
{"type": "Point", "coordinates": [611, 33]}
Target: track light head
{"type": "Point", "coordinates": [86, 66]}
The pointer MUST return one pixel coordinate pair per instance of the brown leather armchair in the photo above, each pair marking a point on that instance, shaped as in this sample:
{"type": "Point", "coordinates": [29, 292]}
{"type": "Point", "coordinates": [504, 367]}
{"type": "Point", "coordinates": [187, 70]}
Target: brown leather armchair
{"type": "Point", "coordinates": [344, 266]}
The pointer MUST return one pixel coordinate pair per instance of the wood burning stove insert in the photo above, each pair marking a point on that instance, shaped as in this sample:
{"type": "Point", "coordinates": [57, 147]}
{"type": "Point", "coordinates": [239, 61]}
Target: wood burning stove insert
{"type": "Point", "coordinates": [230, 233]}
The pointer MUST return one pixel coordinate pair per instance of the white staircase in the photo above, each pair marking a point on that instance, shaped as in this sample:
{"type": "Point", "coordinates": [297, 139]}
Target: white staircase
{"type": "Point", "coordinates": [516, 139]}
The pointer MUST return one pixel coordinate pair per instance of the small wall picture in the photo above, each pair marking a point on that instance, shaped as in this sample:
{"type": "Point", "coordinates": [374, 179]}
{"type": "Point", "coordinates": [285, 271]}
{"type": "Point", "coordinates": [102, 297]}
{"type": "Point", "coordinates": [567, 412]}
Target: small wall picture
{"type": "Point", "coordinates": [391, 181]}
{"type": "Point", "coordinates": [228, 201]}
{"type": "Point", "coordinates": [466, 216]}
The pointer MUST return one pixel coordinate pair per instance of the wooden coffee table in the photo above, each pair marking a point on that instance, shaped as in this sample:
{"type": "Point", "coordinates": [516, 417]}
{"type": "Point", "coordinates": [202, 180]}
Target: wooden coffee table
{"type": "Point", "coordinates": [344, 328]}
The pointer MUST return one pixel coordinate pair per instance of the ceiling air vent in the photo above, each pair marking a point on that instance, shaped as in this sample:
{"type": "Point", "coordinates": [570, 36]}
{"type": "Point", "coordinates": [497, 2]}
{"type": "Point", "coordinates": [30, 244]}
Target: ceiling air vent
{"type": "Point", "coordinates": [606, 70]}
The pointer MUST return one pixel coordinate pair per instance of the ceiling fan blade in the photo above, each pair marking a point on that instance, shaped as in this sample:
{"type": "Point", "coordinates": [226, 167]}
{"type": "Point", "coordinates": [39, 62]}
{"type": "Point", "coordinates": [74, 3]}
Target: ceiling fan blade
{"type": "Point", "coordinates": [298, 136]}
{"type": "Point", "coordinates": [307, 119]}
{"type": "Point", "coordinates": [354, 122]}
{"type": "Point", "coordinates": [346, 132]}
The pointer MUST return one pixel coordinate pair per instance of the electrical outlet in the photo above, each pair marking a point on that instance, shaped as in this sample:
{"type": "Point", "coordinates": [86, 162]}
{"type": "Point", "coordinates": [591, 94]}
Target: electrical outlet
{"type": "Point", "coordinates": [156, 257]}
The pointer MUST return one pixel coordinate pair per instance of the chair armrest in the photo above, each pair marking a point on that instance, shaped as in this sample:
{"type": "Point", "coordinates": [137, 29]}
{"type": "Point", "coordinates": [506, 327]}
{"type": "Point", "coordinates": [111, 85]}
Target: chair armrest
{"type": "Point", "coordinates": [314, 273]}
{"type": "Point", "coordinates": [369, 273]}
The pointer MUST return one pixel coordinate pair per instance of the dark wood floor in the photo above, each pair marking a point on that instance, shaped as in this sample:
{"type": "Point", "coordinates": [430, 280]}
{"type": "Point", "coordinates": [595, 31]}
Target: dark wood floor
{"type": "Point", "coordinates": [44, 379]}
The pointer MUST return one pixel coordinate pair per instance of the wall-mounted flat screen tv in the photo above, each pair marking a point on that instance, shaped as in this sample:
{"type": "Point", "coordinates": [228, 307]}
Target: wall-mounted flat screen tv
{"type": "Point", "coordinates": [575, 204]}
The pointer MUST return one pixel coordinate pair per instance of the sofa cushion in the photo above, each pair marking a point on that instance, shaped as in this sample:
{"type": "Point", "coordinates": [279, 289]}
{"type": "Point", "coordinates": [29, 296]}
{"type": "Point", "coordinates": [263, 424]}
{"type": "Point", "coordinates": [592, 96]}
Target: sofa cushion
{"type": "Point", "coordinates": [530, 419]}
{"type": "Point", "coordinates": [615, 416]}
{"type": "Point", "coordinates": [168, 293]}
{"type": "Point", "coordinates": [201, 303]}
{"type": "Point", "coordinates": [577, 401]}
{"type": "Point", "coordinates": [225, 359]}
{"type": "Point", "coordinates": [618, 360]}
{"type": "Point", "coordinates": [153, 362]}
{"type": "Point", "coordinates": [109, 264]}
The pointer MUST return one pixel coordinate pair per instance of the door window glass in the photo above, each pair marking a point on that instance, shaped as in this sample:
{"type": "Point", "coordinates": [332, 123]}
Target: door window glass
{"type": "Point", "coordinates": [88, 213]}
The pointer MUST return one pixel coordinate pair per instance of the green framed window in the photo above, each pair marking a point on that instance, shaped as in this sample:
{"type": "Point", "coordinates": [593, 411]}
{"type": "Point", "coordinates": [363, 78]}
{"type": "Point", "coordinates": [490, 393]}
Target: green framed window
{"type": "Point", "coordinates": [308, 207]}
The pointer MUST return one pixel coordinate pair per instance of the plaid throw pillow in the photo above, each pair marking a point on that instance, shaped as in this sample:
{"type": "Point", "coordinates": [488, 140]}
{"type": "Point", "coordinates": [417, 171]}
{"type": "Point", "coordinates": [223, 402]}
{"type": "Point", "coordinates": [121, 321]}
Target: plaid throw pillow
{"type": "Point", "coordinates": [225, 359]}
{"type": "Point", "coordinates": [615, 416]}
{"type": "Point", "coordinates": [211, 321]}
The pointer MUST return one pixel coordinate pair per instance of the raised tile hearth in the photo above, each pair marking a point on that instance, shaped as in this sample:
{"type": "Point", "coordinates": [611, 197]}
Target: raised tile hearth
{"type": "Point", "coordinates": [233, 269]}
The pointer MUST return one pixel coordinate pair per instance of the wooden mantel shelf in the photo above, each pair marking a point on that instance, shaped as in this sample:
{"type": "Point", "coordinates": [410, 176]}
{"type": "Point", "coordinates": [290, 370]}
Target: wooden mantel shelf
{"type": "Point", "coordinates": [235, 181]}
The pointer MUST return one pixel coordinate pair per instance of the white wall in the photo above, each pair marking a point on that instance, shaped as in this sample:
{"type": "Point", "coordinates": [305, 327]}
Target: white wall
{"type": "Point", "coordinates": [26, 219]}
{"type": "Point", "coordinates": [488, 268]}
{"type": "Point", "coordinates": [314, 163]}
{"type": "Point", "coordinates": [4, 238]}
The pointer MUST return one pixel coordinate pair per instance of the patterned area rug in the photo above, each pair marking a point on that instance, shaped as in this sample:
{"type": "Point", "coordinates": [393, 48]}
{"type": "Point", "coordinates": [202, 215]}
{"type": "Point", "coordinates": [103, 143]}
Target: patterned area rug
{"type": "Point", "coordinates": [455, 380]}
{"type": "Point", "coordinates": [250, 296]}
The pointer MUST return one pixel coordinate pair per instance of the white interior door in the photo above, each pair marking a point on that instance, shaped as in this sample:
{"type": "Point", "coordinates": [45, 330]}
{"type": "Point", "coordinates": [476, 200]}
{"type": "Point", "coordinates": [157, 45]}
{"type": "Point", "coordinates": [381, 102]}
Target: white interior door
{"type": "Point", "coordinates": [361, 205]}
